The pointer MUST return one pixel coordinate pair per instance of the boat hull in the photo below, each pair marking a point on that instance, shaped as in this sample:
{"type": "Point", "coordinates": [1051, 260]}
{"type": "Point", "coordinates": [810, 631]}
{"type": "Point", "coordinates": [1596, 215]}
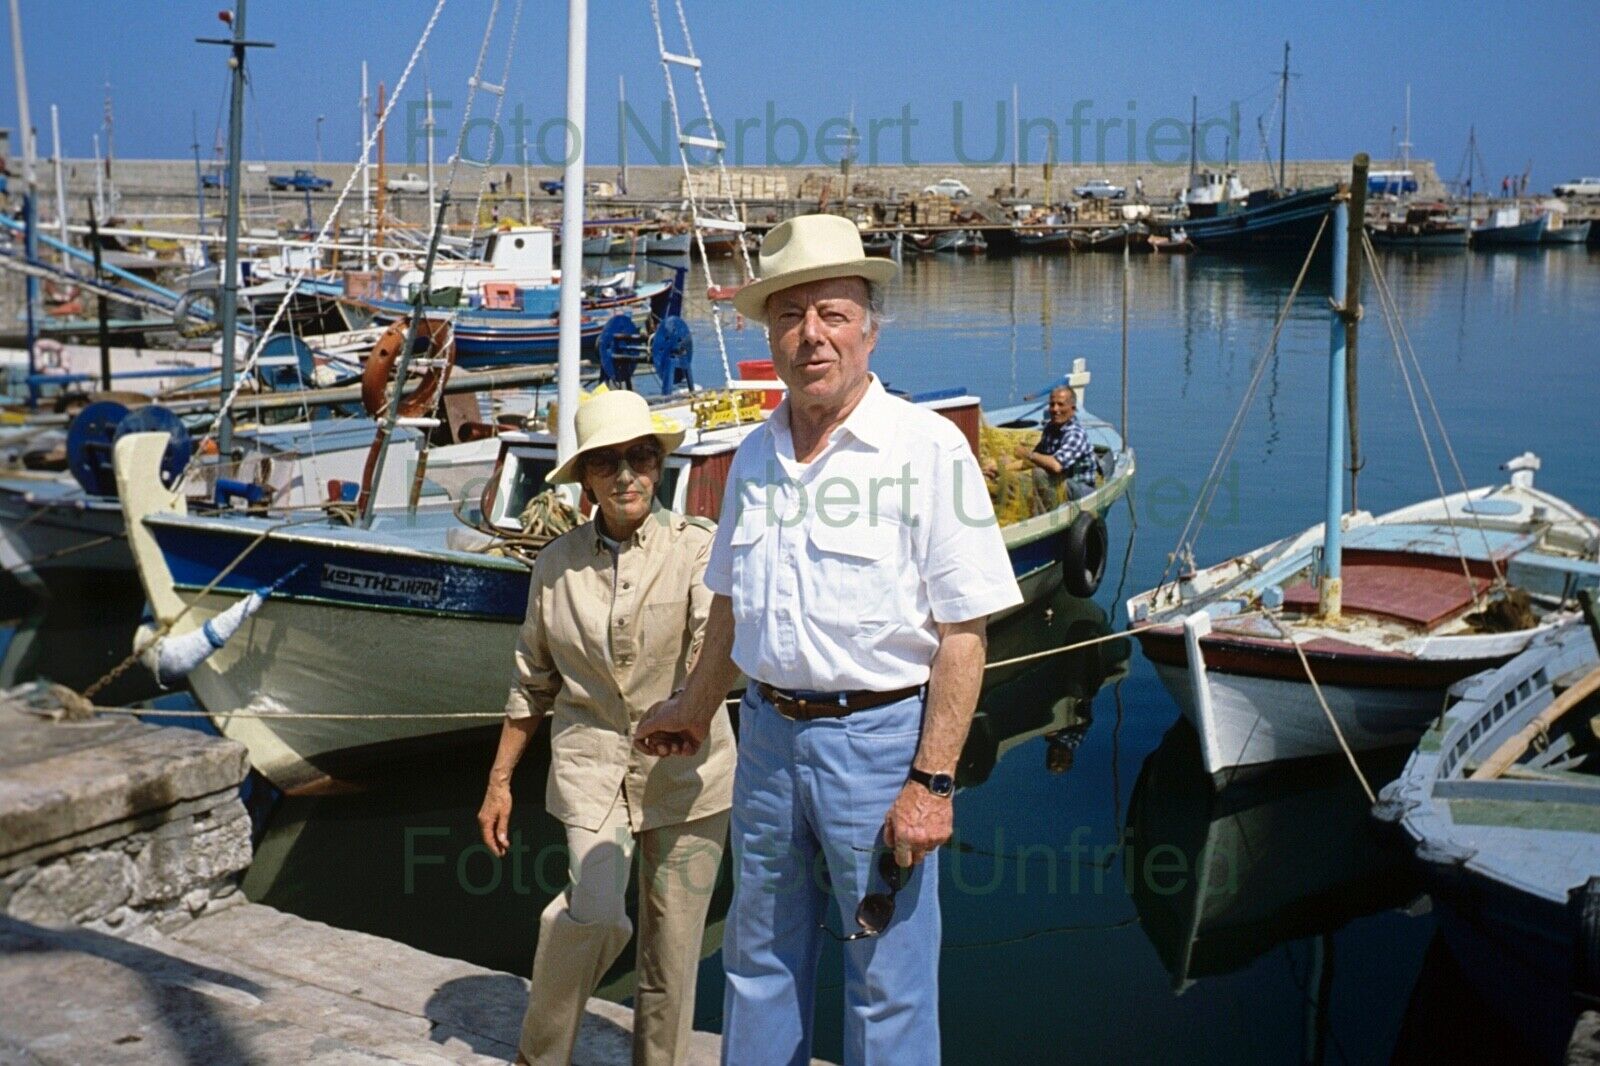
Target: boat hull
{"type": "Point", "coordinates": [1235, 735]}
{"type": "Point", "coordinates": [1571, 233]}
{"type": "Point", "coordinates": [1522, 235]}
{"type": "Point", "coordinates": [1287, 223]}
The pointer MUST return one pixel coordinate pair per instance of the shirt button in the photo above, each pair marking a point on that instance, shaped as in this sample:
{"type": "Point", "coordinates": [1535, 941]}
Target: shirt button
{"type": "Point", "coordinates": [621, 622]}
{"type": "Point", "coordinates": [627, 585]}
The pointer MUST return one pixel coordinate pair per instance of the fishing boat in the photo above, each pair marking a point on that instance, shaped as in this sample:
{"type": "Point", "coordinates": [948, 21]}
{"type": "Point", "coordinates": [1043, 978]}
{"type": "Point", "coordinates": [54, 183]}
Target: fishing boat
{"type": "Point", "coordinates": [1135, 237]}
{"type": "Point", "coordinates": [1506, 228]}
{"type": "Point", "coordinates": [1501, 803]}
{"type": "Point", "coordinates": [1347, 635]}
{"type": "Point", "coordinates": [395, 623]}
{"type": "Point", "coordinates": [1560, 231]}
{"type": "Point", "coordinates": [1036, 238]}
{"type": "Point", "coordinates": [1266, 221]}
{"type": "Point", "coordinates": [1173, 242]}
{"type": "Point", "coordinates": [1423, 226]}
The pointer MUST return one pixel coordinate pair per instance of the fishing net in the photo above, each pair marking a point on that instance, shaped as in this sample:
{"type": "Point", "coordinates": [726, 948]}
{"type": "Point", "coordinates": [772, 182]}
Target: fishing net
{"type": "Point", "coordinates": [1012, 487]}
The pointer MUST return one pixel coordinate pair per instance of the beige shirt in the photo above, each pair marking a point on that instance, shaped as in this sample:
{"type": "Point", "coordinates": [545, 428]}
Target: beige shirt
{"type": "Point", "coordinates": [607, 635]}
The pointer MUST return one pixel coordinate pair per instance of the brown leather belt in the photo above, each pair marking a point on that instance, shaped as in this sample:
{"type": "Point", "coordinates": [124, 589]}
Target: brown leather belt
{"type": "Point", "coordinates": [834, 705]}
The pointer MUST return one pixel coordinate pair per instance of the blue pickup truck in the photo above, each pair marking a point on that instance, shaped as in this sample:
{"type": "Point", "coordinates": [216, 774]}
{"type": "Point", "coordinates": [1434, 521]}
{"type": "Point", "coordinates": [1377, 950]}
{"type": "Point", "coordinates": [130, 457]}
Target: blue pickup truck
{"type": "Point", "coordinates": [299, 181]}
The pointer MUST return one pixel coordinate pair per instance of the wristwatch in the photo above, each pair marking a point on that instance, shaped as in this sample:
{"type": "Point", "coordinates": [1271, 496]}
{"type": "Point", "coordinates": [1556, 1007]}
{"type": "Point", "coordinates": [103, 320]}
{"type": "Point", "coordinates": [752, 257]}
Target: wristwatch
{"type": "Point", "coordinates": [941, 785]}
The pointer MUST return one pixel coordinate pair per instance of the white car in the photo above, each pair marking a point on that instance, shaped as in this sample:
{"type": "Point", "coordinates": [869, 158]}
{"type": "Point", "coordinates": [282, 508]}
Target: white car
{"type": "Point", "coordinates": [948, 187]}
{"type": "Point", "coordinates": [1580, 187]}
{"type": "Point", "coordinates": [1099, 189]}
{"type": "Point", "coordinates": [409, 183]}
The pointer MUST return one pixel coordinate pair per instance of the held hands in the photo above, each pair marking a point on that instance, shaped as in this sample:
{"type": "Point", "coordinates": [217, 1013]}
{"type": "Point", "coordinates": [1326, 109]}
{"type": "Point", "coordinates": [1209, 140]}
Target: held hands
{"type": "Point", "coordinates": [917, 823]}
{"type": "Point", "coordinates": [671, 728]}
{"type": "Point", "coordinates": [494, 817]}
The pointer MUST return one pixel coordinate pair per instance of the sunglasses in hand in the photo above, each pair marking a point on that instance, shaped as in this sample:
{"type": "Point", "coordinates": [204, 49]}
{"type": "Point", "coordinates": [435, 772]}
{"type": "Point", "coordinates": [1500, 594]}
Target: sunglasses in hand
{"type": "Point", "coordinates": [876, 909]}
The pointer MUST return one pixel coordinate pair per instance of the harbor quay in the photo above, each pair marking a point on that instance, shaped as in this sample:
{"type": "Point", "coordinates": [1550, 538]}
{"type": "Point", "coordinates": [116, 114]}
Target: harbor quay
{"type": "Point", "coordinates": [124, 936]}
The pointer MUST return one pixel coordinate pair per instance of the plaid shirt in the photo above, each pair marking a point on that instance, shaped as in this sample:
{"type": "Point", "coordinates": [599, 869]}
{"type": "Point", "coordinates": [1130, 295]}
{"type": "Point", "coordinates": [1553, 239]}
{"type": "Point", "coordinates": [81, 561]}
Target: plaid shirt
{"type": "Point", "coordinates": [1069, 445]}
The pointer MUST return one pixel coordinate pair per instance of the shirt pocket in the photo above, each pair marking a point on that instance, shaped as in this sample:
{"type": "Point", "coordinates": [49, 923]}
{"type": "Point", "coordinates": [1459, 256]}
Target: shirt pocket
{"type": "Point", "coordinates": [748, 566]}
{"type": "Point", "coordinates": [857, 577]}
{"type": "Point", "coordinates": [664, 629]}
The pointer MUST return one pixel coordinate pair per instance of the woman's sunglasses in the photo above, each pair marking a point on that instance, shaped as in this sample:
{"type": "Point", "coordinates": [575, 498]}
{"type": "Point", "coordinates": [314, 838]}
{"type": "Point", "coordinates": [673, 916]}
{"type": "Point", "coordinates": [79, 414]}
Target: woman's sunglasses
{"type": "Point", "coordinates": [876, 909]}
{"type": "Point", "coordinates": [641, 459]}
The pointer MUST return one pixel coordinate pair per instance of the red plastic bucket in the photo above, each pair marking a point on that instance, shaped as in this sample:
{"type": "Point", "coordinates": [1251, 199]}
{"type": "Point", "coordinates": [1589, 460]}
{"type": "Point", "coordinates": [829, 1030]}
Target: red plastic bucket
{"type": "Point", "coordinates": [762, 370]}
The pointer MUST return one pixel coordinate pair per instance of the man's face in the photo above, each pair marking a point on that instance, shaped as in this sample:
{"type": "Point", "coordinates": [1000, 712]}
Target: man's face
{"type": "Point", "coordinates": [819, 340]}
{"type": "Point", "coordinates": [1063, 405]}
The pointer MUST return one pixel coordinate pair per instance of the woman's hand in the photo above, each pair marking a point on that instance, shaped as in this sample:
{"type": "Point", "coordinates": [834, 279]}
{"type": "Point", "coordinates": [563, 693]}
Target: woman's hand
{"type": "Point", "coordinates": [494, 817]}
{"type": "Point", "coordinates": [671, 728]}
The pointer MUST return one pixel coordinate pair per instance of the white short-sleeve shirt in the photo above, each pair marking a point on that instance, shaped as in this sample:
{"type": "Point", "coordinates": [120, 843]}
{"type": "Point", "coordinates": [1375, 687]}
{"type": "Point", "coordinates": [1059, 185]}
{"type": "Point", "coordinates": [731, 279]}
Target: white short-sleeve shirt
{"type": "Point", "coordinates": [840, 569]}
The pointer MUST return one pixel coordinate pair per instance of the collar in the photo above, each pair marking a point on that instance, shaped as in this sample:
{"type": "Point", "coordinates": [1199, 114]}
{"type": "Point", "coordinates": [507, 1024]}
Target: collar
{"type": "Point", "coordinates": [641, 537]}
{"type": "Point", "coordinates": [869, 423]}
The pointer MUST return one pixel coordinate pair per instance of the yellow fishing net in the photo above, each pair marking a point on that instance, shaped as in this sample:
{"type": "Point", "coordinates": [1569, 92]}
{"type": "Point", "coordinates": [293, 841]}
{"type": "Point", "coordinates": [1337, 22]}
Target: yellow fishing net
{"type": "Point", "coordinates": [1010, 480]}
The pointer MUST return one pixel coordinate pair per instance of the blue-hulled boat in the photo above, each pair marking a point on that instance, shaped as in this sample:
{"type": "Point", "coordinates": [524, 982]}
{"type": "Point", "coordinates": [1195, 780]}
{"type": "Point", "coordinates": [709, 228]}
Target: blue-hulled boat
{"type": "Point", "coordinates": [1266, 221]}
{"type": "Point", "coordinates": [1506, 228]}
{"type": "Point", "coordinates": [412, 617]}
{"type": "Point", "coordinates": [1501, 802]}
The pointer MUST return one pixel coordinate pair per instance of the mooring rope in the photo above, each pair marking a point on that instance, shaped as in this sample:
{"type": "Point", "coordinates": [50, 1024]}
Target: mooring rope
{"type": "Point", "coordinates": [1328, 712]}
{"type": "Point", "coordinates": [334, 716]}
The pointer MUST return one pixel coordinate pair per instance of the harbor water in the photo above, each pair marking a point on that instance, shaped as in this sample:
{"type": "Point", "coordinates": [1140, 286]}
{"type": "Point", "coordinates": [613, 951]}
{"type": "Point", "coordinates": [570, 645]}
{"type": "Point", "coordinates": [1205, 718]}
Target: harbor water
{"type": "Point", "coordinates": [1102, 900]}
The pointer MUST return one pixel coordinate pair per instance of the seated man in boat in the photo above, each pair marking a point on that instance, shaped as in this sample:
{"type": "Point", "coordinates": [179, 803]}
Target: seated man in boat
{"type": "Point", "coordinates": [616, 615]}
{"type": "Point", "coordinates": [1063, 461]}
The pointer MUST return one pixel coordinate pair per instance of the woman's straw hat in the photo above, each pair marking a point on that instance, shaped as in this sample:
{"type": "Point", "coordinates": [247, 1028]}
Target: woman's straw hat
{"type": "Point", "coordinates": [809, 248]}
{"type": "Point", "coordinates": [611, 418]}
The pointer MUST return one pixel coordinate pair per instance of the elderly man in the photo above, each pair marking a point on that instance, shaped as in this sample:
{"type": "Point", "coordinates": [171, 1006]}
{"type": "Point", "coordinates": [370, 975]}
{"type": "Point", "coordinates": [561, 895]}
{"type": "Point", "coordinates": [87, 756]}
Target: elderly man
{"type": "Point", "coordinates": [854, 566]}
{"type": "Point", "coordinates": [1063, 460]}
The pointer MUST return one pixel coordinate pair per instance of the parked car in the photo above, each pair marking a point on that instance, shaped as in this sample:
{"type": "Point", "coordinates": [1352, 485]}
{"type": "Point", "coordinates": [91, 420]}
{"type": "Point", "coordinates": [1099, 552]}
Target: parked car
{"type": "Point", "coordinates": [553, 186]}
{"type": "Point", "coordinates": [1099, 189]}
{"type": "Point", "coordinates": [217, 179]}
{"type": "Point", "coordinates": [950, 187]}
{"type": "Point", "coordinates": [410, 182]}
{"type": "Point", "coordinates": [1579, 187]}
{"type": "Point", "coordinates": [299, 181]}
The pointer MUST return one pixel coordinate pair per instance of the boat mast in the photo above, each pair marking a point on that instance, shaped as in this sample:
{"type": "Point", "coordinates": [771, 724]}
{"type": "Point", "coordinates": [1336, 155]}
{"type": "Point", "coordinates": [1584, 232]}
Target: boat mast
{"type": "Point", "coordinates": [1015, 146]}
{"type": "Point", "coordinates": [1283, 117]}
{"type": "Point", "coordinates": [227, 312]}
{"type": "Point", "coordinates": [61, 180]}
{"type": "Point", "coordinates": [571, 318]}
{"type": "Point", "coordinates": [1194, 143]}
{"type": "Point", "coordinates": [432, 206]}
{"type": "Point", "coordinates": [1342, 321]}
{"type": "Point", "coordinates": [1352, 315]}
{"type": "Point", "coordinates": [622, 135]}
{"type": "Point", "coordinates": [30, 178]}
{"type": "Point", "coordinates": [366, 174]}
{"type": "Point", "coordinates": [1405, 147]}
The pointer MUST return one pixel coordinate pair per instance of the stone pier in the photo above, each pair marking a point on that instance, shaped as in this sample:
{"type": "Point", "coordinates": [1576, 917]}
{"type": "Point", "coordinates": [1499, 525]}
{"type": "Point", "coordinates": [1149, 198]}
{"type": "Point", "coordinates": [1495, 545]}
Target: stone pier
{"type": "Point", "coordinates": [124, 937]}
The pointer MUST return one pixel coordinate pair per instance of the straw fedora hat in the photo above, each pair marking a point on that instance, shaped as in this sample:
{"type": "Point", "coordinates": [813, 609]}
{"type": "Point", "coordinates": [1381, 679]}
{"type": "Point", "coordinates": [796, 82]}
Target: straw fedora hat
{"type": "Point", "coordinates": [808, 248]}
{"type": "Point", "coordinates": [612, 418]}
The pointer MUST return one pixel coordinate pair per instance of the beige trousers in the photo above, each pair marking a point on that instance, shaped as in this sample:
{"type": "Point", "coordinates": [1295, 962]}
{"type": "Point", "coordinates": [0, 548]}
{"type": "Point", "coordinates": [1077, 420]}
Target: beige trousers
{"type": "Point", "coordinates": [585, 928]}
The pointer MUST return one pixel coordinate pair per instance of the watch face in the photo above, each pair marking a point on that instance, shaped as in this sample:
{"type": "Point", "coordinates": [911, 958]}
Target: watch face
{"type": "Point", "coordinates": [942, 785]}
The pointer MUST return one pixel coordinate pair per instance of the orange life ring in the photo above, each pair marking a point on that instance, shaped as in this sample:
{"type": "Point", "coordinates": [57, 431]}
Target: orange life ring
{"type": "Point", "coordinates": [434, 341]}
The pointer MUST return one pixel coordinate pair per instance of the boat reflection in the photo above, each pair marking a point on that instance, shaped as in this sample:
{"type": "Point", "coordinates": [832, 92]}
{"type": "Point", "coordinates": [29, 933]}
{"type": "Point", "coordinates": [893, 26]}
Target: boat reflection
{"type": "Point", "coordinates": [1048, 696]}
{"type": "Point", "coordinates": [1289, 854]}
{"type": "Point", "coordinates": [75, 637]}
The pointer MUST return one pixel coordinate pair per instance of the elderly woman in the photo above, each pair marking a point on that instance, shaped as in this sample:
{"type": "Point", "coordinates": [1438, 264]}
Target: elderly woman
{"type": "Point", "coordinates": [616, 614]}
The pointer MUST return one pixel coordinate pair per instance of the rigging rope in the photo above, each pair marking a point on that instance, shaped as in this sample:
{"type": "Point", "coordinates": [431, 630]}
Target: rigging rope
{"type": "Point", "coordinates": [1427, 444]}
{"type": "Point", "coordinates": [1208, 490]}
{"type": "Point", "coordinates": [1399, 324]}
{"type": "Point", "coordinates": [243, 374]}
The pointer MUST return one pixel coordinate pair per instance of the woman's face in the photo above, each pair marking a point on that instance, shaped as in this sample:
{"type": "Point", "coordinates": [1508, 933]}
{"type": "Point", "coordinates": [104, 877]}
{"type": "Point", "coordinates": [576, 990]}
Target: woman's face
{"type": "Point", "coordinates": [622, 480]}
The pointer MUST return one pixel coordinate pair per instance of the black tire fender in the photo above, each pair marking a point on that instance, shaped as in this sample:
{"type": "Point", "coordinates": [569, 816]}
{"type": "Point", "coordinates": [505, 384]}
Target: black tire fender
{"type": "Point", "coordinates": [1083, 555]}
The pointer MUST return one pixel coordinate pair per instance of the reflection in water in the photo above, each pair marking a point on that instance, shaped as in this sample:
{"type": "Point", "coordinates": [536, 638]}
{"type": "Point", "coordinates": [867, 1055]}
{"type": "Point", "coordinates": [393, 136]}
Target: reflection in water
{"type": "Point", "coordinates": [1288, 854]}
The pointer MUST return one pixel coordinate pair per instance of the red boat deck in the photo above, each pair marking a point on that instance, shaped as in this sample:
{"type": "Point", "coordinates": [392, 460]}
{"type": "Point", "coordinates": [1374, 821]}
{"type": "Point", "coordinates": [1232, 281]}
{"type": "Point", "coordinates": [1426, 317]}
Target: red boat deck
{"type": "Point", "coordinates": [1408, 588]}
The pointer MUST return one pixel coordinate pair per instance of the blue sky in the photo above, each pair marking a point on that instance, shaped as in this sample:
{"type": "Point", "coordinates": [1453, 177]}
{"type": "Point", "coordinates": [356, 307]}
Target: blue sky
{"type": "Point", "coordinates": [1523, 74]}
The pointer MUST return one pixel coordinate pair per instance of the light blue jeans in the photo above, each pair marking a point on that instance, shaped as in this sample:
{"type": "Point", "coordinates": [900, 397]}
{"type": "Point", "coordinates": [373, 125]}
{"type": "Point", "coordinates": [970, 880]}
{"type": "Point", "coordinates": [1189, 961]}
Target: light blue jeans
{"type": "Point", "coordinates": [809, 800]}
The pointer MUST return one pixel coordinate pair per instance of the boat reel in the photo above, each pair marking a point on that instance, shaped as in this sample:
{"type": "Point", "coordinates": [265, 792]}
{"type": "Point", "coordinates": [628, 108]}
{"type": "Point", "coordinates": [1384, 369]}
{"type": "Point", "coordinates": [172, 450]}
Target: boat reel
{"type": "Point", "coordinates": [97, 428]}
{"type": "Point", "coordinates": [671, 351]}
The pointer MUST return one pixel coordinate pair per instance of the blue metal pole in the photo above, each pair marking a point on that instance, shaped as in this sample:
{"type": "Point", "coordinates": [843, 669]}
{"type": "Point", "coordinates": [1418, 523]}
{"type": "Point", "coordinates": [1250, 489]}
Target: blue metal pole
{"type": "Point", "coordinates": [1332, 534]}
{"type": "Point", "coordinates": [32, 239]}
{"type": "Point", "coordinates": [30, 247]}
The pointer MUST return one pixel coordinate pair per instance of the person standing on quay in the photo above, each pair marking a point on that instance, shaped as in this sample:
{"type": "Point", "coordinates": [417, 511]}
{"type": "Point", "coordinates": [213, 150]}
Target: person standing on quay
{"type": "Point", "coordinates": [616, 614]}
{"type": "Point", "coordinates": [855, 563]}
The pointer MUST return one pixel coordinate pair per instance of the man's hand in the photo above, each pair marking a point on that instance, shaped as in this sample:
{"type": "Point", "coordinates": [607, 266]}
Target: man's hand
{"type": "Point", "coordinates": [495, 816]}
{"type": "Point", "coordinates": [1022, 451]}
{"type": "Point", "coordinates": [670, 728]}
{"type": "Point", "coordinates": [917, 823]}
